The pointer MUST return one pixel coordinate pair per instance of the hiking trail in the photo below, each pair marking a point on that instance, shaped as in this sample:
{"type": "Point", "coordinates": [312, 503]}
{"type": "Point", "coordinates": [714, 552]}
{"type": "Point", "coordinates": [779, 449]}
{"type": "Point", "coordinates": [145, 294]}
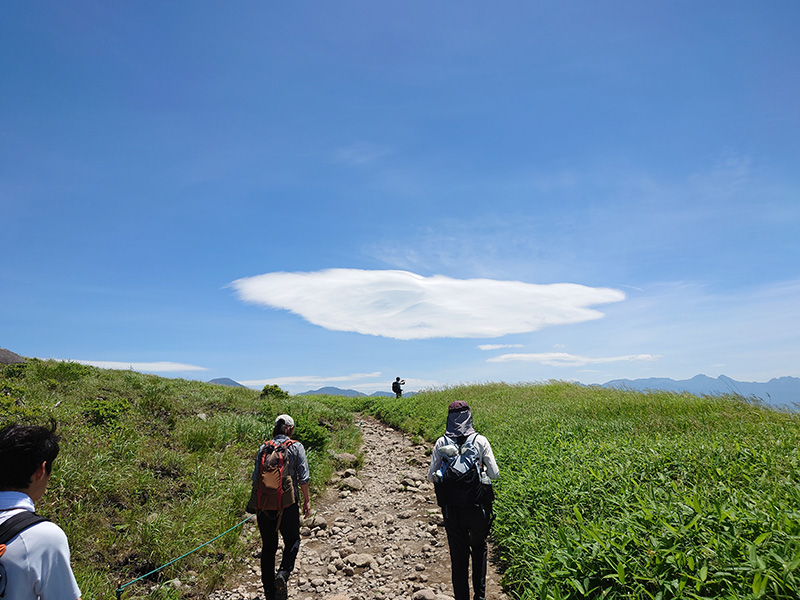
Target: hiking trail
{"type": "Point", "coordinates": [377, 534]}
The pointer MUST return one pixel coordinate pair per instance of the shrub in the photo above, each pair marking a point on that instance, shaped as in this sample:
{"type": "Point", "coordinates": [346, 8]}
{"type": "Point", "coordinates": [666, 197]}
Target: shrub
{"type": "Point", "coordinates": [140, 478]}
{"type": "Point", "coordinates": [274, 392]}
{"type": "Point", "coordinates": [105, 411]}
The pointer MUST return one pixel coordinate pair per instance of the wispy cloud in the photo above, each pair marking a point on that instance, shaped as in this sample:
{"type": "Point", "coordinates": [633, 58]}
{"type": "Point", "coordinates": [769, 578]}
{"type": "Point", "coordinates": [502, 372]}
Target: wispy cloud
{"type": "Point", "coordinates": [404, 305]}
{"type": "Point", "coordinates": [147, 367]}
{"type": "Point", "coordinates": [562, 359]}
{"type": "Point", "coordinates": [498, 346]}
{"type": "Point", "coordinates": [360, 153]}
{"type": "Point", "coordinates": [312, 380]}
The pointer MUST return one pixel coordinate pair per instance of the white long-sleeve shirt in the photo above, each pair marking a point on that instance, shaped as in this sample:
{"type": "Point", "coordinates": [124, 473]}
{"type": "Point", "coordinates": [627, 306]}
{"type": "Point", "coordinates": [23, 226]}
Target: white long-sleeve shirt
{"type": "Point", "coordinates": [488, 463]}
{"type": "Point", "coordinates": [37, 560]}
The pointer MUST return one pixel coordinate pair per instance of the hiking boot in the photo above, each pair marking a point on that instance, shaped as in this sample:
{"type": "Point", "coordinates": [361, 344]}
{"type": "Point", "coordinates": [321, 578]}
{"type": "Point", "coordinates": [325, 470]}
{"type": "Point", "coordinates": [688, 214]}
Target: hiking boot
{"type": "Point", "coordinates": [281, 592]}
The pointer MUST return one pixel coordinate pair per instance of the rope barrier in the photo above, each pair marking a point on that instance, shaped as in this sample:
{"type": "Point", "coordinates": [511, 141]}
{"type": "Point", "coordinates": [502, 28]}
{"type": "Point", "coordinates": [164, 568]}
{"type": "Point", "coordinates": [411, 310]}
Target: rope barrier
{"type": "Point", "coordinates": [347, 445]}
{"type": "Point", "coordinates": [121, 588]}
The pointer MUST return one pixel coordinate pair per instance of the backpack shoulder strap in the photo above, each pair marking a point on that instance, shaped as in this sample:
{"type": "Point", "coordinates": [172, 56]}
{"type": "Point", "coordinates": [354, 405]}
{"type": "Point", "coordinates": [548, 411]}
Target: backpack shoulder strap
{"type": "Point", "coordinates": [18, 523]}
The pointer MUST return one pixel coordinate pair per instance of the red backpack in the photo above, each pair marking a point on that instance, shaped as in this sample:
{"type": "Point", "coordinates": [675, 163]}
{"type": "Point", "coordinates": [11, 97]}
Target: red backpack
{"type": "Point", "coordinates": [274, 486]}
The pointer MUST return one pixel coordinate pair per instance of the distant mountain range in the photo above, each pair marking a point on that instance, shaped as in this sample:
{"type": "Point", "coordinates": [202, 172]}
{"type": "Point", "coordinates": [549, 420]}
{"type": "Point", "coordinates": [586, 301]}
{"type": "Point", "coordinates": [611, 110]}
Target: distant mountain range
{"type": "Point", "coordinates": [784, 391]}
{"type": "Point", "coordinates": [334, 391]}
{"type": "Point", "coordinates": [226, 381]}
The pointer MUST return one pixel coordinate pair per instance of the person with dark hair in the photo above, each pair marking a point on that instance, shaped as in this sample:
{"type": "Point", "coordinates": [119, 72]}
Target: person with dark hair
{"type": "Point", "coordinates": [396, 387]}
{"type": "Point", "coordinates": [462, 467]}
{"type": "Point", "coordinates": [36, 559]}
{"type": "Point", "coordinates": [282, 460]}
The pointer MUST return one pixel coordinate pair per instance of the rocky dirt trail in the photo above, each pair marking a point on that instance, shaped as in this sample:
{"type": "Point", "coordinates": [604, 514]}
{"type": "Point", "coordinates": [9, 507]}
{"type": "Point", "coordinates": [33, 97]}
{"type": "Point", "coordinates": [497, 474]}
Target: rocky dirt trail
{"type": "Point", "coordinates": [375, 534]}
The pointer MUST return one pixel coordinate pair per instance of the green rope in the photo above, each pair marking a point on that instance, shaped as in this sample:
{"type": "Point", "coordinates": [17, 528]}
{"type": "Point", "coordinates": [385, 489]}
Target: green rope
{"type": "Point", "coordinates": [347, 445]}
{"type": "Point", "coordinates": [121, 588]}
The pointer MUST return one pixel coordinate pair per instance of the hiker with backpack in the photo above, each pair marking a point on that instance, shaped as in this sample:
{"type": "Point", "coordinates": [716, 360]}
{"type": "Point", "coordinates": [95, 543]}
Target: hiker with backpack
{"type": "Point", "coordinates": [462, 467]}
{"type": "Point", "coordinates": [34, 552]}
{"type": "Point", "coordinates": [397, 387]}
{"type": "Point", "coordinates": [281, 471]}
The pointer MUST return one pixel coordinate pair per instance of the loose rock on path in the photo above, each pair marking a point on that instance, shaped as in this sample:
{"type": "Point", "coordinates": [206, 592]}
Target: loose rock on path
{"type": "Point", "coordinates": [374, 535]}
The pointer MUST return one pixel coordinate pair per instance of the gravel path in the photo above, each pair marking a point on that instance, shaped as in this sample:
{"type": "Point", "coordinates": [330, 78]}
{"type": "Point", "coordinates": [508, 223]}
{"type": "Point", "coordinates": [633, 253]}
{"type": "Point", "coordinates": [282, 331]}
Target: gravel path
{"type": "Point", "coordinates": [374, 535]}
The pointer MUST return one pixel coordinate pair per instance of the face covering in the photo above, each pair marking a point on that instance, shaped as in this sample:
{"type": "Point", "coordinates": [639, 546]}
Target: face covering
{"type": "Point", "coordinates": [459, 423]}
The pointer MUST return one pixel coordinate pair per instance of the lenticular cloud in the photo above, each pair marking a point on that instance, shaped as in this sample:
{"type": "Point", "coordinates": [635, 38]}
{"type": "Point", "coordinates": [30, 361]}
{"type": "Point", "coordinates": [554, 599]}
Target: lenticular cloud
{"type": "Point", "coordinates": [405, 306]}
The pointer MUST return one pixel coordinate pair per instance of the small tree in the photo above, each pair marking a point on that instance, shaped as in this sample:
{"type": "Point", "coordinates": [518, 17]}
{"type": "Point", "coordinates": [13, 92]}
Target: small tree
{"type": "Point", "coordinates": [274, 392]}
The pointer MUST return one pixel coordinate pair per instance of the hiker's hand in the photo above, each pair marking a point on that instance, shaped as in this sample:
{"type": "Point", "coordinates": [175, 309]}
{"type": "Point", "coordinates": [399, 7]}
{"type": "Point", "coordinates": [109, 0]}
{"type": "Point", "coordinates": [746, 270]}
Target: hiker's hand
{"type": "Point", "coordinates": [306, 509]}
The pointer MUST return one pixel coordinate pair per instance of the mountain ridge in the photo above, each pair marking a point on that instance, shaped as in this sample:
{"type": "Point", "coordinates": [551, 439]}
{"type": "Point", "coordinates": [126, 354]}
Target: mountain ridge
{"type": "Point", "coordinates": [334, 391]}
{"type": "Point", "coordinates": [777, 392]}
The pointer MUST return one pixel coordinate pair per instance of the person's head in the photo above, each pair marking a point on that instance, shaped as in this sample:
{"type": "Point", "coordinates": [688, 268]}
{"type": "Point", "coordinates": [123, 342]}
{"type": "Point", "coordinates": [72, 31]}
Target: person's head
{"type": "Point", "coordinates": [284, 425]}
{"type": "Point", "coordinates": [398, 379]}
{"type": "Point", "coordinates": [27, 453]}
{"type": "Point", "coordinates": [459, 419]}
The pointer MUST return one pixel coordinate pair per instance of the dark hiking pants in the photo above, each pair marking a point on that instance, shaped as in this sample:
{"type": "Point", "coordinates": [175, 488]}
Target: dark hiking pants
{"type": "Point", "coordinates": [467, 528]}
{"type": "Point", "coordinates": [290, 532]}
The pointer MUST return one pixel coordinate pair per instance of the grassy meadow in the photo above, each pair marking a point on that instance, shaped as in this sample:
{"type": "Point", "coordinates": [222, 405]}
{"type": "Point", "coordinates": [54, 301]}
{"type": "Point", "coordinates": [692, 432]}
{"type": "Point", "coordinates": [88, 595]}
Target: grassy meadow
{"type": "Point", "coordinates": [621, 494]}
{"type": "Point", "coordinates": [150, 468]}
{"type": "Point", "coordinates": [603, 493]}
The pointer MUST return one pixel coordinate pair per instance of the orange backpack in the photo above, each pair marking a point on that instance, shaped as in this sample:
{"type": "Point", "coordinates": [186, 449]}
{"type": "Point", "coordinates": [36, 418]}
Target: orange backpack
{"type": "Point", "coordinates": [274, 486]}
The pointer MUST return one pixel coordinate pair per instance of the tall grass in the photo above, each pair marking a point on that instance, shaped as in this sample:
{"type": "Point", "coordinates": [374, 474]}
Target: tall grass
{"type": "Point", "coordinates": [150, 468]}
{"type": "Point", "coordinates": [621, 494]}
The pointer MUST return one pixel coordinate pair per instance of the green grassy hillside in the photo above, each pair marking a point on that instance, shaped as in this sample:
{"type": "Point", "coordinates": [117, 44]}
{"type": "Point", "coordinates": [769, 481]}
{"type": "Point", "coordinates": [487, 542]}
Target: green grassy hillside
{"type": "Point", "coordinates": [603, 493]}
{"type": "Point", "coordinates": [617, 494]}
{"type": "Point", "coordinates": [150, 468]}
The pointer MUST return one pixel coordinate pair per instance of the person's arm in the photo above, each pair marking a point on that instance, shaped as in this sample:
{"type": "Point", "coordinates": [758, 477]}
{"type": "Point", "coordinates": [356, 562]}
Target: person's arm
{"type": "Point", "coordinates": [303, 475]}
{"type": "Point", "coordinates": [52, 555]}
{"type": "Point", "coordinates": [306, 500]}
{"type": "Point", "coordinates": [436, 459]}
{"type": "Point", "coordinates": [487, 458]}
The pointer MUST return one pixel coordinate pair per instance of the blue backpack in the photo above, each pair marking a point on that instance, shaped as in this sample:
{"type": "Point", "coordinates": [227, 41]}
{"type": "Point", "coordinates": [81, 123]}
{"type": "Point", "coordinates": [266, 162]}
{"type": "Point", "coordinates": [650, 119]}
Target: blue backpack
{"type": "Point", "coordinates": [459, 483]}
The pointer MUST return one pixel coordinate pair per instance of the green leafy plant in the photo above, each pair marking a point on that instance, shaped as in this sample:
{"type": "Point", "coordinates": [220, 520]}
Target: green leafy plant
{"type": "Point", "coordinates": [150, 466]}
{"type": "Point", "coordinates": [274, 392]}
{"type": "Point", "coordinates": [105, 411]}
{"type": "Point", "coordinates": [626, 495]}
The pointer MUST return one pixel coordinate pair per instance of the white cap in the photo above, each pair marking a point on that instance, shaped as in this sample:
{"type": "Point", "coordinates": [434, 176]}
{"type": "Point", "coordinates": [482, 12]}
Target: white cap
{"type": "Point", "coordinates": [287, 420]}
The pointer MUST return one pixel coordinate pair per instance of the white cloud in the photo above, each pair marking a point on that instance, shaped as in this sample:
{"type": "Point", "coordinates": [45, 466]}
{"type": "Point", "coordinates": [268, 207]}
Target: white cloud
{"type": "Point", "coordinates": [562, 359]}
{"type": "Point", "coordinates": [147, 367]}
{"type": "Point", "coordinates": [311, 380]}
{"type": "Point", "coordinates": [498, 346]}
{"type": "Point", "coordinates": [405, 306]}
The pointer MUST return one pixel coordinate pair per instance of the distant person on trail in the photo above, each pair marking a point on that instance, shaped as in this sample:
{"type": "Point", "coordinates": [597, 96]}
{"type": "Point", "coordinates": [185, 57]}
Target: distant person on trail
{"type": "Point", "coordinates": [462, 465]}
{"type": "Point", "coordinates": [35, 561]}
{"type": "Point", "coordinates": [281, 471]}
{"type": "Point", "coordinates": [398, 391]}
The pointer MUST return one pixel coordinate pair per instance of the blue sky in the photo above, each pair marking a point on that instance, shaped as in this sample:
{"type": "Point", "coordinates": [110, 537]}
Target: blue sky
{"type": "Point", "coordinates": [325, 193]}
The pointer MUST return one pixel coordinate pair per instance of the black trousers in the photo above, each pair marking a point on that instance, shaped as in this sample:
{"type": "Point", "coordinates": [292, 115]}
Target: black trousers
{"type": "Point", "coordinates": [290, 532]}
{"type": "Point", "coordinates": [467, 528]}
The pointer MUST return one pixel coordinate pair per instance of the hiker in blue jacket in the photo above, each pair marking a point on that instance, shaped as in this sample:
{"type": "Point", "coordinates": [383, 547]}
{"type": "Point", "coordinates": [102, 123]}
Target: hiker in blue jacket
{"type": "Point", "coordinates": [467, 517]}
{"type": "Point", "coordinates": [287, 520]}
